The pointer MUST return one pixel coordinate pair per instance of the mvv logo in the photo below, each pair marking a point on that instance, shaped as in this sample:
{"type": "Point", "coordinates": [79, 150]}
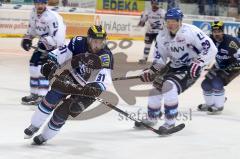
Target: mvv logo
{"type": "Point", "coordinates": [177, 49]}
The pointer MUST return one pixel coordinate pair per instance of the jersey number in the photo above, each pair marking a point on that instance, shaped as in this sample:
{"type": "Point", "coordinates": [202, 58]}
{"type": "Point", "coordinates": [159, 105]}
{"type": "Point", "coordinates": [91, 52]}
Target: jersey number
{"type": "Point", "coordinates": [101, 77]}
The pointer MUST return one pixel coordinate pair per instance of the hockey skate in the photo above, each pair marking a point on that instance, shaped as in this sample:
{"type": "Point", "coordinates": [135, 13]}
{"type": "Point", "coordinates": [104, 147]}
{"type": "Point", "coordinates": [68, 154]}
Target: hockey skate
{"type": "Point", "coordinates": [148, 121]}
{"type": "Point", "coordinates": [213, 110]}
{"type": "Point", "coordinates": [203, 107]}
{"type": "Point", "coordinates": [142, 61]}
{"type": "Point", "coordinates": [165, 127]}
{"type": "Point", "coordinates": [30, 131]}
{"type": "Point", "coordinates": [39, 140]}
{"type": "Point", "coordinates": [32, 99]}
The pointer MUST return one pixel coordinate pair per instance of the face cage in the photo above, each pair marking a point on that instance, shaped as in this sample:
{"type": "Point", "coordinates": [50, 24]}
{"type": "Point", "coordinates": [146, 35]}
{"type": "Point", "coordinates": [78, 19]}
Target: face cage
{"type": "Point", "coordinates": [92, 44]}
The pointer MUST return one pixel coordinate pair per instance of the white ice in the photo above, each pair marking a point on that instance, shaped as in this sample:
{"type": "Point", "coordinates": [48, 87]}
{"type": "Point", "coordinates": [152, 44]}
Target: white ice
{"type": "Point", "coordinates": [107, 136]}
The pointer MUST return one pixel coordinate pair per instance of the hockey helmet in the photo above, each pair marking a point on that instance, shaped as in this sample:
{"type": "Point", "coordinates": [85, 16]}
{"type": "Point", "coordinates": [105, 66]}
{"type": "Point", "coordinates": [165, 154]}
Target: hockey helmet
{"type": "Point", "coordinates": [174, 13]}
{"type": "Point", "coordinates": [154, 2]}
{"type": "Point", "coordinates": [217, 25]}
{"type": "Point", "coordinates": [97, 32]}
{"type": "Point", "coordinates": [40, 1]}
{"type": "Point", "coordinates": [96, 38]}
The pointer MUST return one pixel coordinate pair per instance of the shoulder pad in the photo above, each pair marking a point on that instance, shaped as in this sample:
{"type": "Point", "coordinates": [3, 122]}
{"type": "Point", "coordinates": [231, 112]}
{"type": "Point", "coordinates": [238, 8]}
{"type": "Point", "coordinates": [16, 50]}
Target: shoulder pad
{"type": "Point", "coordinates": [78, 44]}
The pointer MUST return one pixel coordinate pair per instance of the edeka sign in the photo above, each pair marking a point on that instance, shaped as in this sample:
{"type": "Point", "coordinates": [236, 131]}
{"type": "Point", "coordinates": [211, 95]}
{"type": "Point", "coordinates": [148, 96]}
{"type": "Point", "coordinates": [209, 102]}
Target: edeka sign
{"type": "Point", "coordinates": [230, 28]}
{"type": "Point", "coordinates": [120, 6]}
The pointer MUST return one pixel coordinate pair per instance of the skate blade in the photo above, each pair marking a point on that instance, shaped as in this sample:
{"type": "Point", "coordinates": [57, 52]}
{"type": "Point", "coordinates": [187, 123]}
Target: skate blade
{"type": "Point", "coordinates": [35, 144]}
{"type": "Point", "coordinates": [27, 136]}
{"type": "Point", "coordinates": [214, 113]}
{"type": "Point", "coordinates": [202, 110]}
{"type": "Point", "coordinates": [28, 103]}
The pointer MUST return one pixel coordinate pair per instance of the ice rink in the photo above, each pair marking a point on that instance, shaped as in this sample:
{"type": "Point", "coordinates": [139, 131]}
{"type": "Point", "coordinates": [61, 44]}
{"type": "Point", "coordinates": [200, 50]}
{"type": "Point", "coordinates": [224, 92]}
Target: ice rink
{"type": "Point", "coordinates": [110, 136]}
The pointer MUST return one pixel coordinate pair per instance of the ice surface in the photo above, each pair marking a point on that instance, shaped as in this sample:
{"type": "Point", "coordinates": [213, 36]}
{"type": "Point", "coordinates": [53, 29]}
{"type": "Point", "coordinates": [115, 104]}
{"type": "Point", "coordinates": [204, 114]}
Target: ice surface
{"type": "Point", "coordinates": [109, 136]}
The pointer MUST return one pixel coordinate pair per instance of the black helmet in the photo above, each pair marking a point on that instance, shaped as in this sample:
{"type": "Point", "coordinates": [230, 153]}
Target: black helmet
{"type": "Point", "coordinates": [217, 25]}
{"type": "Point", "coordinates": [97, 32]}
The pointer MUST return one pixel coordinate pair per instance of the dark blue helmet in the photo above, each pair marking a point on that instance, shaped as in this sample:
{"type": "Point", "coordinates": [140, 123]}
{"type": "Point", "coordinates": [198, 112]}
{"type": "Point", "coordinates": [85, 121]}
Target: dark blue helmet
{"type": "Point", "coordinates": [40, 1]}
{"type": "Point", "coordinates": [174, 13]}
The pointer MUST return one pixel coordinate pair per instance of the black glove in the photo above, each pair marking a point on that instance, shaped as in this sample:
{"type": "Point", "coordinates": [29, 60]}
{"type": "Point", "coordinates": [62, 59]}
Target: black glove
{"type": "Point", "coordinates": [26, 44]}
{"type": "Point", "coordinates": [48, 69]}
{"type": "Point", "coordinates": [158, 82]}
{"type": "Point", "coordinates": [195, 68]}
{"type": "Point", "coordinates": [149, 74]}
{"type": "Point", "coordinates": [92, 89]}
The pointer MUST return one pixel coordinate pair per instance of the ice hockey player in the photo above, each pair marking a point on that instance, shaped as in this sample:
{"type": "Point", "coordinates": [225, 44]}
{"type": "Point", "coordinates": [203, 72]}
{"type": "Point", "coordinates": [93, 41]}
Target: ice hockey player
{"type": "Point", "coordinates": [49, 27]}
{"type": "Point", "coordinates": [188, 50]}
{"type": "Point", "coordinates": [155, 19]}
{"type": "Point", "coordinates": [225, 69]}
{"type": "Point", "coordinates": [93, 83]}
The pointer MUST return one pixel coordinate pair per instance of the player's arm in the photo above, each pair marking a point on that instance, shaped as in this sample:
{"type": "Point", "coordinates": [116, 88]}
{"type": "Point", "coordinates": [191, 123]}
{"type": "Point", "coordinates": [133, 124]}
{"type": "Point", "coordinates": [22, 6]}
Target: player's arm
{"type": "Point", "coordinates": [26, 42]}
{"type": "Point", "coordinates": [103, 79]}
{"type": "Point", "coordinates": [205, 49]}
{"type": "Point", "coordinates": [234, 49]}
{"type": "Point", "coordinates": [56, 35]}
{"type": "Point", "coordinates": [143, 19]}
{"type": "Point", "coordinates": [159, 62]}
{"type": "Point", "coordinates": [57, 58]}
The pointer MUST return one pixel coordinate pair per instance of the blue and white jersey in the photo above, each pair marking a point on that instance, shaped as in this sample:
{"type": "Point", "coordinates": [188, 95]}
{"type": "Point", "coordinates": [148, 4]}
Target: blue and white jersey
{"type": "Point", "coordinates": [78, 45]}
{"type": "Point", "coordinates": [226, 50]}
{"type": "Point", "coordinates": [155, 20]}
{"type": "Point", "coordinates": [188, 44]}
{"type": "Point", "coordinates": [49, 25]}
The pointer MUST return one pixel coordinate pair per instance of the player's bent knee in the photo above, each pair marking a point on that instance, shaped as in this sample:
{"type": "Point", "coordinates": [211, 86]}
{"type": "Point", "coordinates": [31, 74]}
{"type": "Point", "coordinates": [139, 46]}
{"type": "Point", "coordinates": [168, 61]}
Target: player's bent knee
{"type": "Point", "coordinates": [63, 109]}
{"type": "Point", "coordinates": [35, 71]}
{"type": "Point", "coordinates": [168, 86]}
{"type": "Point", "coordinates": [217, 84]}
{"type": "Point", "coordinates": [79, 104]}
{"type": "Point", "coordinates": [206, 85]}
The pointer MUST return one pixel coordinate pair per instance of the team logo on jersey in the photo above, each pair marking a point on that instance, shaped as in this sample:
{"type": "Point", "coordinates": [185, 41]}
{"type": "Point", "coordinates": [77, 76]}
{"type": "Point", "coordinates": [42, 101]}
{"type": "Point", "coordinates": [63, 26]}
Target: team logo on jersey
{"type": "Point", "coordinates": [223, 51]}
{"type": "Point", "coordinates": [105, 59]}
{"type": "Point", "coordinates": [177, 49]}
{"type": "Point", "coordinates": [233, 45]}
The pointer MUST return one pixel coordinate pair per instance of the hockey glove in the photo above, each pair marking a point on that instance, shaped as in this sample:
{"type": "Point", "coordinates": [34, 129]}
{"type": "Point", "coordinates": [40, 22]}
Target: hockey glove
{"type": "Point", "coordinates": [195, 68]}
{"type": "Point", "coordinates": [158, 82]}
{"type": "Point", "coordinates": [48, 69]}
{"type": "Point", "coordinates": [148, 75]}
{"type": "Point", "coordinates": [93, 89]}
{"type": "Point", "coordinates": [26, 43]}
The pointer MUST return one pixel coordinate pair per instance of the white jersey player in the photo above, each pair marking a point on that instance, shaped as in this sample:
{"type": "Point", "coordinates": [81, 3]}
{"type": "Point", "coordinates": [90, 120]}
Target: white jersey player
{"type": "Point", "coordinates": [49, 27]}
{"type": "Point", "coordinates": [180, 54]}
{"type": "Point", "coordinates": [155, 19]}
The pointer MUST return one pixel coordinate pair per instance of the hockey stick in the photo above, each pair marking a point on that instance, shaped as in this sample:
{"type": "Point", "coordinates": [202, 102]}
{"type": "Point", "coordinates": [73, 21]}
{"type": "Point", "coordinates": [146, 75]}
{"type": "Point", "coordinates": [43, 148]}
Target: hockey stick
{"type": "Point", "coordinates": [125, 78]}
{"type": "Point", "coordinates": [208, 69]}
{"type": "Point", "coordinates": [161, 72]}
{"type": "Point", "coordinates": [41, 50]}
{"type": "Point", "coordinates": [139, 122]}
